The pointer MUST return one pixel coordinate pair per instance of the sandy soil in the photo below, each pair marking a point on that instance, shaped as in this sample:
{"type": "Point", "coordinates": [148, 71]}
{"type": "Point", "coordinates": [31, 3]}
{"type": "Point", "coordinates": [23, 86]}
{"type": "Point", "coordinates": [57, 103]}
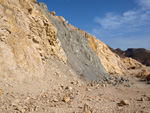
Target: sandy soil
{"type": "Point", "coordinates": [61, 94]}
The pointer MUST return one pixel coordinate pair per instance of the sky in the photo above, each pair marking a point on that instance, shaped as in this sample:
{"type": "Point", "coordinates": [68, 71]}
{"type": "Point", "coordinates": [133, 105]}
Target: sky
{"type": "Point", "coordinates": [118, 23]}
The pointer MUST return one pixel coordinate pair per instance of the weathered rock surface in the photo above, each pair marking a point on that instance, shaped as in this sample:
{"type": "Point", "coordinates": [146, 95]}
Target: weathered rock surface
{"type": "Point", "coordinates": [30, 36]}
{"type": "Point", "coordinates": [131, 63]}
{"type": "Point", "coordinates": [30, 49]}
{"type": "Point", "coordinates": [80, 56]}
{"type": "Point", "coordinates": [112, 62]}
{"type": "Point", "coordinates": [27, 39]}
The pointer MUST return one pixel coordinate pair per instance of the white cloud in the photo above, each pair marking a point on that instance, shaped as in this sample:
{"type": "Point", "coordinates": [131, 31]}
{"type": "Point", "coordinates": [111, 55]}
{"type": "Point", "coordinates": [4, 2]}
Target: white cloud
{"type": "Point", "coordinates": [111, 21]}
{"type": "Point", "coordinates": [133, 23]}
{"type": "Point", "coordinates": [129, 19]}
{"type": "Point", "coordinates": [144, 3]}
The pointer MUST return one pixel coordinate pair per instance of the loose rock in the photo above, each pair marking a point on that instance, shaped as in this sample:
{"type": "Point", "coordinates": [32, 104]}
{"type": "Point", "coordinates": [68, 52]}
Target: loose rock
{"type": "Point", "coordinates": [66, 99]}
{"type": "Point", "coordinates": [53, 13]}
{"type": "Point", "coordinates": [69, 87]}
{"type": "Point", "coordinates": [123, 102]}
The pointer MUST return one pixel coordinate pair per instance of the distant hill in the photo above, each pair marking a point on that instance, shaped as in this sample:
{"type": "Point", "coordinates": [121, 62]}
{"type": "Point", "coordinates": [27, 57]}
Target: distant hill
{"type": "Point", "coordinates": [142, 55]}
{"type": "Point", "coordinates": [118, 51]}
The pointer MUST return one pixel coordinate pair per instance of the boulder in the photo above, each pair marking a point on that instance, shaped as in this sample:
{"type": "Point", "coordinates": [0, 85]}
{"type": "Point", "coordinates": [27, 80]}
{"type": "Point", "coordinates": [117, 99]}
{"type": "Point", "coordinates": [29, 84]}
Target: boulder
{"type": "Point", "coordinates": [53, 13]}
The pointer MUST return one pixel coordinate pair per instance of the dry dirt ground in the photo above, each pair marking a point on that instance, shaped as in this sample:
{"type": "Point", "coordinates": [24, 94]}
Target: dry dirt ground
{"type": "Point", "coordinates": [61, 94]}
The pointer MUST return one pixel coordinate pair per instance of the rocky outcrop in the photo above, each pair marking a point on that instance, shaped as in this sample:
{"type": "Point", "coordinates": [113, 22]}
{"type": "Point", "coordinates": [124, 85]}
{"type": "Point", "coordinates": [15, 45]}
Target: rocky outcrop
{"type": "Point", "coordinates": [32, 38]}
{"type": "Point", "coordinates": [83, 49]}
{"type": "Point", "coordinates": [131, 63]}
{"type": "Point", "coordinates": [113, 63]}
{"type": "Point", "coordinates": [81, 57]}
{"type": "Point", "coordinates": [27, 39]}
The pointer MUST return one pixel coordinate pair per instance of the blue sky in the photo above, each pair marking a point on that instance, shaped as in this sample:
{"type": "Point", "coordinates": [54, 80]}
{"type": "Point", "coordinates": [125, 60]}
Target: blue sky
{"type": "Point", "coordinates": [119, 23]}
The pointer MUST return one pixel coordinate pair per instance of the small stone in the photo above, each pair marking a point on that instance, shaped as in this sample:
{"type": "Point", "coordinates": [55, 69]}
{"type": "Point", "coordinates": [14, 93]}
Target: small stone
{"type": "Point", "coordinates": [55, 100]}
{"type": "Point", "coordinates": [89, 99]}
{"type": "Point", "coordinates": [6, 85]}
{"type": "Point", "coordinates": [106, 85]}
{"type": "Point", "coordinates": [127, 85]}
{"type": "Point", "coordinates": [92, 84]}
{"type": "Point", "coordinates": [69, 87]}
{"type": "Point", "coordinates": [82, 101]}
{"type": "Point", "coordinates": [57, 89]}
{"type": "Point", "coordinates": [1, 90]}
{"type": "Point", "coordinates": [88, 90]}
{"type": "Point", "coordinates": [86, 108]}
{"type": "Point", "coordinates": [124, 102]}
{"type": "Point", "coordinates": [97, 85]}
{"type": "Point", "coordinates": [78, 83]}
{"type": "Point", "coordinates": [66, 99]}
{"type": "Point", "coordinates": [141, 99]}
{"type": "Point", "coordinates": [103, 85]}
{"type": "Point", "coordinates": [73, 83]}
{"type": "Point", "coordinates": [27, 99]}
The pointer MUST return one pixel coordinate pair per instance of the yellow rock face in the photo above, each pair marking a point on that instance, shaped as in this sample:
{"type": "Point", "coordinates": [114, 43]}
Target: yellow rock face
{"type": "Point", "coordinates": [27, 39]}
{"type": "Point", "coordinates": [131, 63]}
{"type": "Point", "coordinates": [111, 61]}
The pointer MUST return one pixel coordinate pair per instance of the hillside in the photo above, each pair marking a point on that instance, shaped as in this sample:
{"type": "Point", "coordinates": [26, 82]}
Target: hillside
{"type": "Point", "coordinates": [69, 34]}
{"type": "Point", "coordinates": [142, 55]}
{"type": "Point", "coordinates": [50, 66]}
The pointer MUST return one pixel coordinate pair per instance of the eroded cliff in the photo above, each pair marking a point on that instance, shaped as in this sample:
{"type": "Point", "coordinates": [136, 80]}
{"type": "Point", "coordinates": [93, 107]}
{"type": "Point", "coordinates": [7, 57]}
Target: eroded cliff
{"type": "Point", "coordinates": [31, 38]}
{"type": "Point", "coordinates": [27, 39]}
{"type": "Point", "coordinates": [113, 63]}
{"type": "Point", "coordinates": [80, 56]}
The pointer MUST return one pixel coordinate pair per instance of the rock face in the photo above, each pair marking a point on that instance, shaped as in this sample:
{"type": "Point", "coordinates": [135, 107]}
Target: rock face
{"type": "Point", "coordinates": [27, 39]}
{"type": "Point", "coordinates": [83, 49]}
{"type": "Point", "coordinates": [33, 40]}
{"type": "Point", "coordinates": [80, 56]}
{"type": "Point", "coordinates": [113, 63]}
{"type": "Point", "coordinates": [131, 63]}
